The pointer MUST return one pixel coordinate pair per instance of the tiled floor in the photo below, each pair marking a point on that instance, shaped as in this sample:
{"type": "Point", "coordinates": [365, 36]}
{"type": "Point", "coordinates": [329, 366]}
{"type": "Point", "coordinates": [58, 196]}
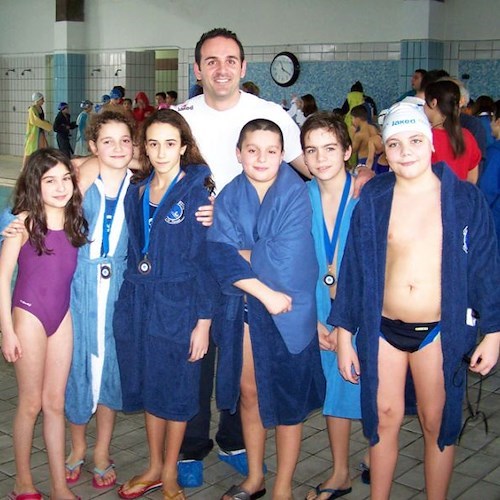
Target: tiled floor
{"type": "Point", "coordinates": [477, 465]}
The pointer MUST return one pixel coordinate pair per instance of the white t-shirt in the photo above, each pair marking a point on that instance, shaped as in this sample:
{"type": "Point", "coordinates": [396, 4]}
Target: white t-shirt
{"type": "Point", "coordinates": [217, 132]}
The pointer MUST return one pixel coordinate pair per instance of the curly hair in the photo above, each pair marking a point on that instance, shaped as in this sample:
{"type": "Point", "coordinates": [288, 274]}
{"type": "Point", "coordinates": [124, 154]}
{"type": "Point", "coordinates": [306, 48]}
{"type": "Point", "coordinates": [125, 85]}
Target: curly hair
{"type": "Point", "coordinates": [28, 198]}
{"type": "Point", "coordinates": [101, 119]}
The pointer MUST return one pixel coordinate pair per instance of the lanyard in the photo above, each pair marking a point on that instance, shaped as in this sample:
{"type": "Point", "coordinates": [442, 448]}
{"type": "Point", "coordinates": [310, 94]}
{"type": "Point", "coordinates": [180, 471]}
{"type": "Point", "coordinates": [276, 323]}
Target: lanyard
{"type": "Point", "coordinates": [148, 221]}
{"type": "Point", "coordinates": [330, 245]}
{"type": "Point", "coordinates": [107, 222]}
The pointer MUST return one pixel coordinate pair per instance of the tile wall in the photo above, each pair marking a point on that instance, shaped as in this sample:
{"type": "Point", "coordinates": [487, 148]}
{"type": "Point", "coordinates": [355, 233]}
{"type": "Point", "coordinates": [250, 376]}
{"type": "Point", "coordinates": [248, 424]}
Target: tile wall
{"type": "Point", "coordinates": [327, 72]}
{"type": "Point", "coordinates": [65, 77]}
{"type": "Point", "coordinates": [16, 89]}
{"type": "Point", "coordinates": [385, 69]}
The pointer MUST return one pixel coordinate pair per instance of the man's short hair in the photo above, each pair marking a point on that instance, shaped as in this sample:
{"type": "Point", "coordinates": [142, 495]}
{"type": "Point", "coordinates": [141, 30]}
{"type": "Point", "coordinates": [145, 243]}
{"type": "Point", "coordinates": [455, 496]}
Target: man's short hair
{"type": "Point", "coordinates": [172, 94]}
{"type": "Point", "coordinates": [214, 33]}
{"type": "Point", "coordinates": [360, 112]}
{"type": "Point", "coordinates": [161, 94]}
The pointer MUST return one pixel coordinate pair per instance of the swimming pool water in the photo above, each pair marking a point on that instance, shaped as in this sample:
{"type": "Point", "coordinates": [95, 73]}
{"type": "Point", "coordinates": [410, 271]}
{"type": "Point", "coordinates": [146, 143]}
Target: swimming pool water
{"type": "Point", "coordinates": [5, 193]}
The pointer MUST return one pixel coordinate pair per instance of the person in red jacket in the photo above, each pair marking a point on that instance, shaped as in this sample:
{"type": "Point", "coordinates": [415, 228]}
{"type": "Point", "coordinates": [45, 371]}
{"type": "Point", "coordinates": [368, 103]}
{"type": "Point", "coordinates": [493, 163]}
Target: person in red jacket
{"type": "Point", "coordinates": [142, 107]}
{"type": "Point", "coordinates": [452, 144]}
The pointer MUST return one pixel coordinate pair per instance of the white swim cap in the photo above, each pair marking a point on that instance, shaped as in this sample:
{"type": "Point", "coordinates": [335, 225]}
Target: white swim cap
{"type": "Point", "coordinates": [36, 96]}
{"type": "Point", "coordinates": [405, 117]}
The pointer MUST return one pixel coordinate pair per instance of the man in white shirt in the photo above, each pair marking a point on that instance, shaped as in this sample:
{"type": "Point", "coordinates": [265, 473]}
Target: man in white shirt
{"type": "Point", "coordinates": [217, 116]}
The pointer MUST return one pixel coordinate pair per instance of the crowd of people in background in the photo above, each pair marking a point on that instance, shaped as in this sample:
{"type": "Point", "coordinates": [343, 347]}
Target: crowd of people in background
{"type": "Point", "coordinates": [313, 295]}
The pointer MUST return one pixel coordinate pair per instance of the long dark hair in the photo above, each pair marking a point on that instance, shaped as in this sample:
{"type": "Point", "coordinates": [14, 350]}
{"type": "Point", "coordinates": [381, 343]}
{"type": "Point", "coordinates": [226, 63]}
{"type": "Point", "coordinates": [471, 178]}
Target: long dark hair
{"type": "Point", "coordinates": [192, 155]}
{"type": "Point", "coordinates": [447, 95]}
{"type": "Point", "coordinates": [308, 105]}
{"type": "Point", "coordinates": [28, 198]}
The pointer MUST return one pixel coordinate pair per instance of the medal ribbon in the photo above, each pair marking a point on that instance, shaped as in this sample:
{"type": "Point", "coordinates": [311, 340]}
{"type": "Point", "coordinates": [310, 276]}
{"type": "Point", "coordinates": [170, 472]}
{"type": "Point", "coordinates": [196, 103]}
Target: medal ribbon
{"type": "Point", "coordinates": [106, 226]}
{"type": "Point", "coordinates": [331, 244]}
{"type": "Point", "coordinates": [145, 209]}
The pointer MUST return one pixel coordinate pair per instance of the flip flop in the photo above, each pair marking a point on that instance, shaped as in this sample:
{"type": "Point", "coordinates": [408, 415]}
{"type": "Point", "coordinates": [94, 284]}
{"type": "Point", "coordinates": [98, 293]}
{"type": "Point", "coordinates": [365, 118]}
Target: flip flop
{"type": "Point", "coordinates": [178, 495]}
{"type": "Point", "coordinates": [24, 496]}
{"type": "Point", "coordinates": [333, 493]}
{"type": "Point", "coordinates": [365, 473]}
{"type": "Point", "coordinates": [101, 473]}
{"type": "Point", "coordinates": [238, 493]}
{"type": "Point", "coordinates": [145, 488]}
{"type": "Point", "coordinates": [71, 468]}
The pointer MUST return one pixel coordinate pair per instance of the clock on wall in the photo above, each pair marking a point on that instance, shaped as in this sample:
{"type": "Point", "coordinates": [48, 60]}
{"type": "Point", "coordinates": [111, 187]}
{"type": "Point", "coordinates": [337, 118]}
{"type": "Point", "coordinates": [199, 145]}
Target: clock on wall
{"type": "Point", "coordinates": [285, 69]}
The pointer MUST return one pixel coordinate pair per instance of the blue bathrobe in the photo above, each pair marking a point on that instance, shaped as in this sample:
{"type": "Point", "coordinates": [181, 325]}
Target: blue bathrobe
{"type": "Point", "coordinates": [342, 398]}
{"type": "Point", "coordinates": [285, 346]}
{"type": "Point", "coordinates": [94, 376]}
{"type": "Point", "coordinates": [156, 313]}
{"type": "Point", "coordinates": [489, 183]}
{"type": "Point", "coordinates": [470, 279]}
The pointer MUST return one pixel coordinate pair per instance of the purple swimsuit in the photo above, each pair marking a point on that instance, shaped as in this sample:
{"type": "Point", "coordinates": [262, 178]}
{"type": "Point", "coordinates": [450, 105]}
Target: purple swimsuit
{"type": "Point", "coordinates": [43, 281]}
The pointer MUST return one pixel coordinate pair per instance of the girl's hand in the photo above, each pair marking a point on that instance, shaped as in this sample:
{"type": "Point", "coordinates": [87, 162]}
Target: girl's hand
{"type": "Point", "coordinates": [198, 345]}
{"type": "Point", "coordinates": [485, 356]}
{"type": "Point", "coordinates": [11, 347]}
{"type": "Point", "coordinates": [277, 302]}
{"type": "Point", "coordinates": [14, 228]}
{"type": "Point", "coordinates": [347, 357]}
{"type": "Point", "coordinates": [324, 337]}
{"type": "Point", "coordinates": [205, 213]}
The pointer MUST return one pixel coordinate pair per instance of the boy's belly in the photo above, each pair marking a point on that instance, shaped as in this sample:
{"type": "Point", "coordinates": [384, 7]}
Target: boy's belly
{"type": "Point", "coordinates": [413, 289]}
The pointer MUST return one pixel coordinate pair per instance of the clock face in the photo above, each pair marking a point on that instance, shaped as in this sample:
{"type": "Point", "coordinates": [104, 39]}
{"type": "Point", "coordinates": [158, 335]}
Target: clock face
{"type": "Point", "coordinates": [285, 69]}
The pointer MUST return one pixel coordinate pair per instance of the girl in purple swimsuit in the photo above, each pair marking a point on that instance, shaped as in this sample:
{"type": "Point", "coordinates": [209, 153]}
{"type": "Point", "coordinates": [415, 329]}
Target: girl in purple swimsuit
{"type": "Point", "coordinates": [35, 319]}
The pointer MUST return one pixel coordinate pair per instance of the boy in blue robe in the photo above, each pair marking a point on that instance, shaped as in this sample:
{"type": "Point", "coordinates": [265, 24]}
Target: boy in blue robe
{"type": "Point", "coordinates": [420, 276]}
{"type": "Point", "coordinates": [261, 250]}
{"type": "Point", "coordinates": [489, 181]}
{"type": "Point", "coordinates": [327, 147]}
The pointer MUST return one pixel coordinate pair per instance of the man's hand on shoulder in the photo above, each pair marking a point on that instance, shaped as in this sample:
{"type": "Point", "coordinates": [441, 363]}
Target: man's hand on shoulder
{"type": "Point", "coordinates": [363, 176]}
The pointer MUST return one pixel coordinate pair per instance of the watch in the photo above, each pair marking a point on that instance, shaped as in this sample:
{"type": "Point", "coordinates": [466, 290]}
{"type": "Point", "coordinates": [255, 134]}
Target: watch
{"type": "Point", "coordinates": [285, 69]}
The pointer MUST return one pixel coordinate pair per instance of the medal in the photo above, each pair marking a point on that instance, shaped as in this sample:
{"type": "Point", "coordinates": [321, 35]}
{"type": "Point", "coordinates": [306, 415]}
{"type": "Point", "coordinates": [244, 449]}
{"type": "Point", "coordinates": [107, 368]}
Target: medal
{"type": "Point", "coordinates": [144, 266]}
{"type": "Point", "coordinates": [329, 279]}
{"type": "Point", "coordinates": [330, 244]}
{"type": "Point", "coordinates": [105, 271]}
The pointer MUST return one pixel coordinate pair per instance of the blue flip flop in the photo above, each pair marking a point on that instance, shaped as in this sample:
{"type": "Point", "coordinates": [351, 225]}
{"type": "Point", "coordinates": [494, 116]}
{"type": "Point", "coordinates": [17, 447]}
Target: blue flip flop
{"type": "Point", "coordinates": [71, 468]}
{"type": "Point", "coordinates": [101, 473]}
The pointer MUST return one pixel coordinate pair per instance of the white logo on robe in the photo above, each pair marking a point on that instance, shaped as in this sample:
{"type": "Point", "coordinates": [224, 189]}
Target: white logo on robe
{"type": "Point", "coordinates": [465, 234]}
{"type": "Point", "coordinates": [176, 214]}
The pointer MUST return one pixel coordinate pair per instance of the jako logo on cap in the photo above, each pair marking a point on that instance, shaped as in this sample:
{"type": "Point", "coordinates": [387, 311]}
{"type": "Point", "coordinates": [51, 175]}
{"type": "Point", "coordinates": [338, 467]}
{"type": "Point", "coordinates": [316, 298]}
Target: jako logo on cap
{"type": "Point", "coordinates": [394, 123]}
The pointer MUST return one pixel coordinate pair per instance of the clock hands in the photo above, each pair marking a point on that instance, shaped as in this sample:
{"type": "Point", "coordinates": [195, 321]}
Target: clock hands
{"type": "Point", "coordinates": [284, 70]}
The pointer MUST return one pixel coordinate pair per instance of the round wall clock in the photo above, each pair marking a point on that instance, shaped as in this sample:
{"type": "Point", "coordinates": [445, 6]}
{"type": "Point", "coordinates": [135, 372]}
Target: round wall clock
{"type": "Point", "coordinates": [285, 69]}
